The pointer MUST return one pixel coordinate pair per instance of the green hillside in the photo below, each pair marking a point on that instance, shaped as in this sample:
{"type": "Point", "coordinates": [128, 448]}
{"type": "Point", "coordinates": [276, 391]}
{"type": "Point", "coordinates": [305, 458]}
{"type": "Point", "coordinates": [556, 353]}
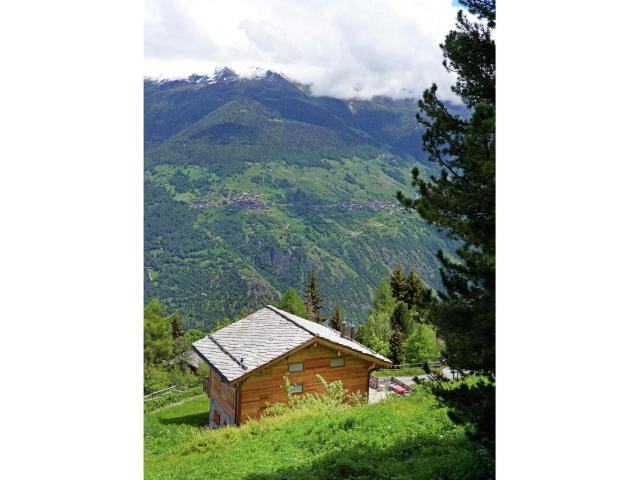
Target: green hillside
{"type": "Point", "coordinates": [401, 438]}
{"type": "Point", "coordinates": [250, 183]}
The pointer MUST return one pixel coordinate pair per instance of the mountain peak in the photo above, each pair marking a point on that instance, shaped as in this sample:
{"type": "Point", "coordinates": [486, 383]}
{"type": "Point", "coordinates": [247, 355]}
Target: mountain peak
{"type": "Point", "coordinates": [257, 73]}
{"type": "Point", "coordinates": [227, 75]}
{"type": "Point", "coordinates": [224, 74]}
{"type": "Point", "coordinates": [272, 76]}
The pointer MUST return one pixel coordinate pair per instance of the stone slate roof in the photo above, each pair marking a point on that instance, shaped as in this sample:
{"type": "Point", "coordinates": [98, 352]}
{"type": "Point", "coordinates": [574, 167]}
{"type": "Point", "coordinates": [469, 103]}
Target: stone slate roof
{"type": "Point", "coordinates": [263, 336]}
{"type": "Point", "coordinates": [194, 360]}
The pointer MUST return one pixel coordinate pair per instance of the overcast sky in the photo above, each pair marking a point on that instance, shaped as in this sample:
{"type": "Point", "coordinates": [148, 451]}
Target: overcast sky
{"type": "Point", "coordinates": [343, 48]}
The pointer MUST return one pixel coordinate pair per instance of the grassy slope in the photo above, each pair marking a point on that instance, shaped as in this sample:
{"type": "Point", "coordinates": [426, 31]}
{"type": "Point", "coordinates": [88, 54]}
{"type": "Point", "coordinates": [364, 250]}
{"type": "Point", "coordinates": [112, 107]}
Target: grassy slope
{"type": "Point", "coordinates": [252, 255]}
{"type": "Point", "coordinates": [402, 438]}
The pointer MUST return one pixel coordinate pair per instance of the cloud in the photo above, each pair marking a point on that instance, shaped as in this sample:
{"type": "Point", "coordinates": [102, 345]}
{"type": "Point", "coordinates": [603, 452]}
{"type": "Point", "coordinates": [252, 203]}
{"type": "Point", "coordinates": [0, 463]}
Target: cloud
{"type": "Point", "coordinates": [342, 48]}
{"type": "Point", "coordinates": [170, 33]}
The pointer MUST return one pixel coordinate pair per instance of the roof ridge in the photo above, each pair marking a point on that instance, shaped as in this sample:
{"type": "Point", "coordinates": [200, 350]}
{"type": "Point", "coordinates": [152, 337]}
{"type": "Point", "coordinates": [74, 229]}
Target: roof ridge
{"type": "Point", "coordinates": [275, 310]}
{"type": "Point", "coordinates": [242, 365]}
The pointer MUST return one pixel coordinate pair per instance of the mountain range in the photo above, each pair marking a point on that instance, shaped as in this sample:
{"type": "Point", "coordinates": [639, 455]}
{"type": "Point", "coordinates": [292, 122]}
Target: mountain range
{"type": "Point", "coordinates": [252, 181]}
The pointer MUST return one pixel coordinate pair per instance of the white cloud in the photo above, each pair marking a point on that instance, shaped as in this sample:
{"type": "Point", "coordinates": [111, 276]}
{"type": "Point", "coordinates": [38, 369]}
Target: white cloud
{"type": "Point", "coordinates": [343, 48]}
{"type": "Point", "coordinates": [171, 35]}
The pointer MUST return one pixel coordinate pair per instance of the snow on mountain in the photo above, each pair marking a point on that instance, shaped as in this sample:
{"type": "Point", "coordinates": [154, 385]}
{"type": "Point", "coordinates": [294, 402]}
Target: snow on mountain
{"type": "Point", "coordinates": [225, 75]}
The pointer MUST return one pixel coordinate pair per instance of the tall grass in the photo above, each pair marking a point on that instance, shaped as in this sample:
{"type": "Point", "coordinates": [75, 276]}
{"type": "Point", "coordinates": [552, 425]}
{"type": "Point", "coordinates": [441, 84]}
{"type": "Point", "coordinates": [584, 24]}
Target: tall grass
{"type": "Point", "coordinates": [316, 437]}
{"type": "Point", "coordinates": [333, 399]}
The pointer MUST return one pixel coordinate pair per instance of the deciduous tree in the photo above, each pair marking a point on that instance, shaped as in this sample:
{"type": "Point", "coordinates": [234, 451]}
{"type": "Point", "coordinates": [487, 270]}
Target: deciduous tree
{"type": "Point", "coordinates": [292, 303]}
{"type": "Point", "coordinates": [367, 336]}
{"type": "Point", "coordinates": [422, 345]}
{"type": "Point", "coordinates": [158, 341]}
{"type": "Point", "coordinates": [376, 332]}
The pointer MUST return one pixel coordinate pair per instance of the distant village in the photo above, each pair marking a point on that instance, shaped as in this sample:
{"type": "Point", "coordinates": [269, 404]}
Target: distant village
{"type": "Point", "coordinates": [255, 201]}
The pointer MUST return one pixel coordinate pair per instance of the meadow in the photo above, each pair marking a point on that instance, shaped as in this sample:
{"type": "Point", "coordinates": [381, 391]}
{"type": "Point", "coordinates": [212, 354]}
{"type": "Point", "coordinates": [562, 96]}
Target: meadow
{"type": "Point", "coordinates": [400, 438]}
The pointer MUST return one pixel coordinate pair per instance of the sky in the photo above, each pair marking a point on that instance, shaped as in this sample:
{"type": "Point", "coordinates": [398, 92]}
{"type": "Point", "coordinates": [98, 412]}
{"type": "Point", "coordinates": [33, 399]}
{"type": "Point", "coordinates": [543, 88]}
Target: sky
{"type": "Point", "coordinates": [341, 48]}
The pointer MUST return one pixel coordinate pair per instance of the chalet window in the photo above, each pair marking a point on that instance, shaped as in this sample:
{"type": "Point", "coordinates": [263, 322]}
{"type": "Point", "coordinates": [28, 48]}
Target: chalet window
{"type": "Point", "coordinates": [296, 367]}
{"type": "Point", "coordinates": [337, 362]}
{"type": "Point", "coordinates": [296, 388]}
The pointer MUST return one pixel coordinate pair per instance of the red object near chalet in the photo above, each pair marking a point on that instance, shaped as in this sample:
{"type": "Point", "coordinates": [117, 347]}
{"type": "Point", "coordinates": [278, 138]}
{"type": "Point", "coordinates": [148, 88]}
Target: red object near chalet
{"type": "Point", "coordinates": [399, 389]}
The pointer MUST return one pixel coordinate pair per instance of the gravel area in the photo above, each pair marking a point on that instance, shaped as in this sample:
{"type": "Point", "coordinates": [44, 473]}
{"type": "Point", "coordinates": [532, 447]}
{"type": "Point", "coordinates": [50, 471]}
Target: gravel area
{"type": "Point", "coordinates": [378, 395]}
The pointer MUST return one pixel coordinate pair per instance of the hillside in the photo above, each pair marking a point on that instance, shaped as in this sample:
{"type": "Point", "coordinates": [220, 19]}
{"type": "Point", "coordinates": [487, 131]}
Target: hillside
{"type": "Point", "coordinates": [402, 438]}
{"type": "Point", "coordinates": [250, 182]}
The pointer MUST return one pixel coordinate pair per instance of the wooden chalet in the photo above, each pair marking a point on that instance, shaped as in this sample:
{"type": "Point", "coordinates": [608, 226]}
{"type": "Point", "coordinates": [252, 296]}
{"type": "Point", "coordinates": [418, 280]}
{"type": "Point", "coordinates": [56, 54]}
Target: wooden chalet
{"type": "Point", "coordinates": [248, 359]}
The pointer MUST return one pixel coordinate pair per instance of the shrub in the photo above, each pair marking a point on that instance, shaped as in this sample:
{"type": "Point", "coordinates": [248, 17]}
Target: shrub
{"type": "Point", "coordinates": [333, 398]}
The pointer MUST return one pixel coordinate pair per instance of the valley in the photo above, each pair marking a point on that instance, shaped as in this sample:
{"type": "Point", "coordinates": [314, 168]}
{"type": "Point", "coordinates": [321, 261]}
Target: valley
{"type": "Point", "coordinates": [250, 183]}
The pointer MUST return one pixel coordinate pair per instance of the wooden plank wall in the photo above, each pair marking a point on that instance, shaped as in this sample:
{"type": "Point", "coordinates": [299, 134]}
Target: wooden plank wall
{"type": "Point", "coordinates": [222, 394]}
{"type": "Point", "coordinates": [267, 385]}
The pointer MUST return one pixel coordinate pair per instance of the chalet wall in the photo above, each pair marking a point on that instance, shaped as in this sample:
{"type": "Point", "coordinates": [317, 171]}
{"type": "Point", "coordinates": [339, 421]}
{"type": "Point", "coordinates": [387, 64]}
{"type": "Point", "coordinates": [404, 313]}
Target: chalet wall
{"type": "Point", "coordinates": [267, 385]}
{"type": "Point", "coordinates": [223, 400]}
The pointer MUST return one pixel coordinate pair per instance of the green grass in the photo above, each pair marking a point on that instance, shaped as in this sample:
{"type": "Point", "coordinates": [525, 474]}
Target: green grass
{"type": "Point", "coordinates": [399, 372]}
{"type": "Point", "coordinates": [171, 398]}
{"type": "Point", "coordinates": [402, 438]}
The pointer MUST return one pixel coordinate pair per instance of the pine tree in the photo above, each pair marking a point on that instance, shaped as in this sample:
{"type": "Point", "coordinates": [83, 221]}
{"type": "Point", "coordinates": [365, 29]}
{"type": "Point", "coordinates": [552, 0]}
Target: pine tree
{"type": "Point", "coordinates": [406, 288]}
{"type": "Point", "coordinates": [401, 325]}
{"type": "Point", "coordinates": [292, 303]}
{"type": "Point", "coordinates": [176, 325]}
{"type": "Point", "coordinates": [461, 201]}
{"type": "Point", "coordinates": [396, 347]}
{"type": "Point", "coordinates": [313, 299]}
{"type": "Point", "coordinates": [397, 283]}
{"type": "Point", "coordinates": [413, 289]}
{"type": "Point", "coordinates": [336, 321]}
{"type": "Point", "coordinates": [401, 320]}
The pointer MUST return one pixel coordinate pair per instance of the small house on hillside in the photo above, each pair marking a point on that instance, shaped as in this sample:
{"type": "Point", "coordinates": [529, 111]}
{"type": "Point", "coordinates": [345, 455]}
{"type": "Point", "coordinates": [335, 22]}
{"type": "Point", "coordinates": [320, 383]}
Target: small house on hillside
{"type": "Point", "coordinates": [249, 358]}
{"type": "Point", "coordinates": [194, 362]}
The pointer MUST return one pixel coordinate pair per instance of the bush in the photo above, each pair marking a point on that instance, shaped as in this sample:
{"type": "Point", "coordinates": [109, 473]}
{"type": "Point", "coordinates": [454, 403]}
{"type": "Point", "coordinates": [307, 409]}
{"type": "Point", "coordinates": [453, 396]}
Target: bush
{"type": "Point", "coordinates": [334, 398]}
{"type": "Point", "coordinates": [157, 377]}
